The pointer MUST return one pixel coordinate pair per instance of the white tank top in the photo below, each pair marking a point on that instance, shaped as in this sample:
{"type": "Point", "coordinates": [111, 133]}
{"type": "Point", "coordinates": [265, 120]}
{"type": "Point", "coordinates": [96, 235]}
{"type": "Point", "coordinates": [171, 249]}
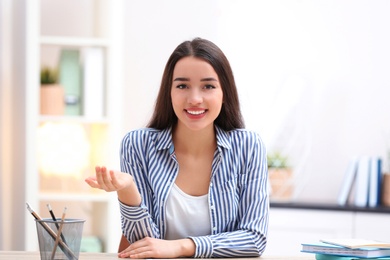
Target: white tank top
{"type": "Point", "coordinates": [186, 215]}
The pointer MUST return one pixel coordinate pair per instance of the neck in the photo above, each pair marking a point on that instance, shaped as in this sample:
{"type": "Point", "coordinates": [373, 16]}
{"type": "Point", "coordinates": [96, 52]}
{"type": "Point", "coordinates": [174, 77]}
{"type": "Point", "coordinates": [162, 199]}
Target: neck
{"type": "Point", "coordinates": [194, 142]}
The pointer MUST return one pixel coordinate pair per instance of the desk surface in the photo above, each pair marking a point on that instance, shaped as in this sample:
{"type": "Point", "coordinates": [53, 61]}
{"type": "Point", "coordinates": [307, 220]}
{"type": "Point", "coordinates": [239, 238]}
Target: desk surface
{"type": "Point", "coordinates": [19, 255]}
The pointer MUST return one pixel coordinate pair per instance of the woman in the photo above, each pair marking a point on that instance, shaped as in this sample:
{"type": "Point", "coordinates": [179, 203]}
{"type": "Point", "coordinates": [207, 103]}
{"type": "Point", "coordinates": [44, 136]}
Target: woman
{"type": "Point", "coordinates": [194, 183]}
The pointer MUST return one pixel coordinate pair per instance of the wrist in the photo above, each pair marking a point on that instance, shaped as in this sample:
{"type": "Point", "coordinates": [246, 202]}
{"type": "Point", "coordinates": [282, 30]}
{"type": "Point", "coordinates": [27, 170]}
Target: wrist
{"type": "Point", "coordinates": [187, 247]}
{"type": "Point", "coordinates": [130, 196]}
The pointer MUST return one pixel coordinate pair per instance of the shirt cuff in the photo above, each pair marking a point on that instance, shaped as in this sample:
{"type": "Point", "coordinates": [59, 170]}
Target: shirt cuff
{"type": "Point", "coordinates": [203, 247]}
{"type": "Point", "coordinates": [133, 213]}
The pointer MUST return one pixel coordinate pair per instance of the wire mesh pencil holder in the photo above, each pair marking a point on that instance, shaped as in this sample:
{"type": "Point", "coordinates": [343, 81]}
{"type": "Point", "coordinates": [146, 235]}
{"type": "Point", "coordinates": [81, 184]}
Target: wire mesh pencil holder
{"type": "Point", "coordinates": [67, 246]}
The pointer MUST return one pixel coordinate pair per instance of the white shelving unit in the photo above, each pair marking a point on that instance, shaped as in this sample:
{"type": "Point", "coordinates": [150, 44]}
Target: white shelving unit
{"type": "Point", "coordinates": [289, 227]}
{"type": "Point", "coordinates": [101, 209]}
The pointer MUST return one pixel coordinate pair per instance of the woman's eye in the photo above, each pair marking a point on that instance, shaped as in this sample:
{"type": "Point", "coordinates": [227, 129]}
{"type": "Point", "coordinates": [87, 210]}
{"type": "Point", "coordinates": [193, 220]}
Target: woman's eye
{"type": "Point", "coordinates": [209, 87]}
{"type": "Point", "coordinates": [181, 86]}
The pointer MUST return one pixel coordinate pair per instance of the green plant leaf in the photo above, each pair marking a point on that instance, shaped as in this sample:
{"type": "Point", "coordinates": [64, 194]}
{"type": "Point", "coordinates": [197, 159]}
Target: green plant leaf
{"type": "Point", "coordinates": [49, 76]}
{"type": "Point", "coordinates": [276, 160]}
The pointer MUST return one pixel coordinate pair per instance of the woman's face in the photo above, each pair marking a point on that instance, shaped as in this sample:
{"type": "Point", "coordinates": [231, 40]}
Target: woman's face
{"type": "Point", "coordinates": [196, 93]}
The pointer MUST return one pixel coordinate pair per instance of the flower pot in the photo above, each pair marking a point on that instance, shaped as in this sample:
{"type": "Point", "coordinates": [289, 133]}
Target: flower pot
{"type": "Point", "coordinates": [52, 99]}
{"type": "Point", "coordinates": [386, 190]}
{"type": "Point", "coordinates": [281, 180]}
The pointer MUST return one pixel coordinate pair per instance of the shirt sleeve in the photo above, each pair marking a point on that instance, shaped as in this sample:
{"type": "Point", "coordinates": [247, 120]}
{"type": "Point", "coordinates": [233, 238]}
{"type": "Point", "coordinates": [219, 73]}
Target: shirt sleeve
{"type": "Point", "coordinates": [249, 238]}
{"type": "Point", "coordinates": [137, 222]}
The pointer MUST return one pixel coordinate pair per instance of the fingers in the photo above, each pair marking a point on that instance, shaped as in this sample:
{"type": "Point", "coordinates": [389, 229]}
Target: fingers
{"type": "Point", "coordinates": [114, 180]}
{"type": "Point", "coordinates": [100, 172]}
{"type": "Point", "coordinates": [139, 249]}
{"type": "Point", "coordinates": [103, 179]}
{"type": "Point", "coordinates": [109, 180]}
{"type": "Point", "coordinates": [92, 182]}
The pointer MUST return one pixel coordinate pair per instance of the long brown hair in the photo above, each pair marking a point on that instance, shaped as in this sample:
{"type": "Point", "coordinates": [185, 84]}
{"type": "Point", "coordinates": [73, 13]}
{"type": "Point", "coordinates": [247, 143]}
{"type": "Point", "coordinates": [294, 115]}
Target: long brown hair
{"type": "Point", "coordinates": [230, 116]}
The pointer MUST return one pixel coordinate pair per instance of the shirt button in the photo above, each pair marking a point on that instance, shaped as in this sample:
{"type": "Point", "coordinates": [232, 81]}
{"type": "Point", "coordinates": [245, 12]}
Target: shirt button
{"type": "Point", "coordinates": [214, 228]}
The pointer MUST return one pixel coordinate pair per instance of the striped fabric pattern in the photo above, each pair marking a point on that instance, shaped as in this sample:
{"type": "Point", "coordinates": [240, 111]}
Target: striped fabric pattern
{"type": "Point", "coordinates": [238, 193]}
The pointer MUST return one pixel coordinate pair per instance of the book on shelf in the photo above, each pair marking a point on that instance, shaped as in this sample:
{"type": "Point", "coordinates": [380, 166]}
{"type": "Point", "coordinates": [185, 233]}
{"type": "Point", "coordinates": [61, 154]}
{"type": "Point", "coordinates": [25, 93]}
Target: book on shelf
{"type": "Point", "coordinates": [93, 82]}
{"type": "Point", "coordinates": [329, 249]}
{"type": "Point", "coordinates": [336, 257]}
{"type": "Point", "coordinates": [375, 189]}
{"type": "Point", "coordinates": [70, 79]}
{"type": "Point", "coordinates": [356, 242]}
{"type": "Point", "coordinates": [348, 181]}
{"type": "Point", "coordinates": [362, 183]}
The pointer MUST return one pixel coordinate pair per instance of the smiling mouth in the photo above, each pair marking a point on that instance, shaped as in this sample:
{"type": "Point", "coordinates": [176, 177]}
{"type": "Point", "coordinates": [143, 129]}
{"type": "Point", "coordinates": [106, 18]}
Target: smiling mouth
{"type": "Point", "coordinates": [196, 113]}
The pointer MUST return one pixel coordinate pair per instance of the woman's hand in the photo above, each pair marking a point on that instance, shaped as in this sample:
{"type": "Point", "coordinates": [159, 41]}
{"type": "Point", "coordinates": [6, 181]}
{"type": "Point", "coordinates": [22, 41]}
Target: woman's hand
{"type": "Point", "coordinates": [122, 183]}
{"type": "Point", "coordinates": [109, 180]}
{"type": "Point", "coordinates": [159, 248]}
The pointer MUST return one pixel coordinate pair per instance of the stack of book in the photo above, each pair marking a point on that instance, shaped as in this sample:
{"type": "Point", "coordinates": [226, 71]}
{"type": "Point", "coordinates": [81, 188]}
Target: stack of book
{"type": "Point", "coordinates": [362, 183]}
{"type": "Point", "coordinates": [347, 249]}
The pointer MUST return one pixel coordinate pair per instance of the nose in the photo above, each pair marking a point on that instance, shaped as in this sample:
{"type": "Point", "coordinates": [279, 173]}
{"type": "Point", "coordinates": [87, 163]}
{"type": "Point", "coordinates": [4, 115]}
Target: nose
{"type": "Point", "coordinates": [195, 96]}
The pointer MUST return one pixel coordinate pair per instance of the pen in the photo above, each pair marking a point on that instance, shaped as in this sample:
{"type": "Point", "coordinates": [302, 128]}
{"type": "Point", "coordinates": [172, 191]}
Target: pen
{"type": "Point", "coordinates": [59, 234]}
{"type": "Point", "coordinates": [62, 245]}
{"type": "Point", "coordinates": [55, 219]}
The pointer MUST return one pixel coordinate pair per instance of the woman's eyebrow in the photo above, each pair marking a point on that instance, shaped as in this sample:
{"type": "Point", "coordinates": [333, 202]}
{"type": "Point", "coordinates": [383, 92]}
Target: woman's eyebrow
{"type": "Point", "coordinates": [209, 79]}
{"type": "Point", "coordinates": [181, 79]}
{"type": "Point", "coordinates": [187, 79]}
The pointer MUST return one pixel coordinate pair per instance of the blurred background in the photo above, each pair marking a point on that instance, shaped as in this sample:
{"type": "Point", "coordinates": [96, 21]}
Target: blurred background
{"type": "Point", "coordinates": [313, 79]}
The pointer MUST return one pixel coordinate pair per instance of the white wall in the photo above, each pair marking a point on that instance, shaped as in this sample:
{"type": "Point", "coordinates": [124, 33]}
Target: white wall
{"type": "Point", "coordinates": [5, 123]}
{"type": "Point", "coordinates": [2, 33]}
{"type": "Point", "coordinates": [152, 30]}
{"type": "Point", "coordinates": [312, 75]}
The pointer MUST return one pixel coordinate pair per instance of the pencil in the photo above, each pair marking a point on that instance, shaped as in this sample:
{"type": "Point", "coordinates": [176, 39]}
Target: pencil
{"type": "Point", "coordinates": [59, 234]}
{"type": "Point", "coordinates": [62, 245]}
{"type": "Point", "coordinates": [55, 219]}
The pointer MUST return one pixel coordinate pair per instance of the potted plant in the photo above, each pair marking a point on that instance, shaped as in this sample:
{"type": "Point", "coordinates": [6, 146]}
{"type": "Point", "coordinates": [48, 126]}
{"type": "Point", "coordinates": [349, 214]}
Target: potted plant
{"type": "Point", "coordinates": [280, 176]}
{"type": "Point", "coordinates": [51, 93]}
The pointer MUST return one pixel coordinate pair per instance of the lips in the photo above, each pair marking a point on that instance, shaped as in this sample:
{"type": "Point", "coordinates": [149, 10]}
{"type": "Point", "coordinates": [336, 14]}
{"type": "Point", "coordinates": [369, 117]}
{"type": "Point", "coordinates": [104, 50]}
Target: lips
{"type": "Point", "coordinates": [196, 112]}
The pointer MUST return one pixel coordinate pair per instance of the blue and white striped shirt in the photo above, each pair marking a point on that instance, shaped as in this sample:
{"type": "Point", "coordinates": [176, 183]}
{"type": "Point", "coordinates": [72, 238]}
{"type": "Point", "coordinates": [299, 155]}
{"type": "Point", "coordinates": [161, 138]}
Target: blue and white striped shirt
{"type": "Point", "coordinates": [238, 193]}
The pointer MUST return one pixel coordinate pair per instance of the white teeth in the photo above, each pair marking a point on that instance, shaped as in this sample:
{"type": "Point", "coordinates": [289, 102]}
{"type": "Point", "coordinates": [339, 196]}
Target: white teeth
{"type": "Point", "coordinates": [198, 112]}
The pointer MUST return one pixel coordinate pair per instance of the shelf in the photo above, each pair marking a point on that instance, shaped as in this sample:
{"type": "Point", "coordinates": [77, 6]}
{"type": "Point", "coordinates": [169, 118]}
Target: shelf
{"type": "Point", "coordinates": [74, 41]}
{"type": "Point", "coordinates": [54, 143]}
{"type": "Point", "coordinates": [74, 119]}
{"type": "Point", "coordinates": [81, 197]}
{"type": "Point", "coordinates": [329, 206]}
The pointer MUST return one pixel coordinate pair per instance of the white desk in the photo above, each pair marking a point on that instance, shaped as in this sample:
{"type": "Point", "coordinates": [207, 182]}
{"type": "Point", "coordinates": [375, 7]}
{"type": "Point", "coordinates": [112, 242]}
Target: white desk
{"type": "Point", "coordinates": [20, 255]}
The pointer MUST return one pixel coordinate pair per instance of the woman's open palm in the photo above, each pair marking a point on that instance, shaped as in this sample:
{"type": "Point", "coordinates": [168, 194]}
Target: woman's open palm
{"type": "Point", "coordinates": [109, 180]}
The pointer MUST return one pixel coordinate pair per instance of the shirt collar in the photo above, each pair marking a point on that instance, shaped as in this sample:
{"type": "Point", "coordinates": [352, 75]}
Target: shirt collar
{"type": "Point", "coordinates": [164, 139]}
{"type": "Point", "coordinates": [222, 138]}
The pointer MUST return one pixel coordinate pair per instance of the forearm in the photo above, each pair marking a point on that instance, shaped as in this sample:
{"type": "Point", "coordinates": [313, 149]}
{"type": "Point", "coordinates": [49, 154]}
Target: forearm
{"type": "Point", "coordinates": [130, 196]}
{"type": "Point", "coordinates": [238, 243]}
